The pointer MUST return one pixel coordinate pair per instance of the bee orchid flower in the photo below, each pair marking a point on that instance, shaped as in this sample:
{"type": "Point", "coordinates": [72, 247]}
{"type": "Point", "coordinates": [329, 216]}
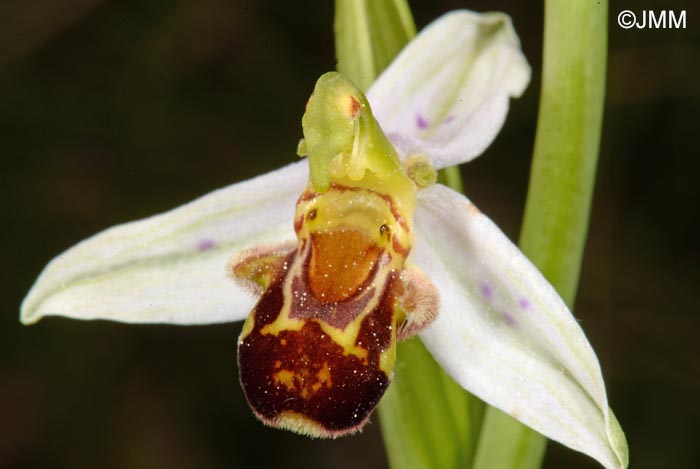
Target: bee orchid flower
{"type": "Point", "coordinates": [373, 250]}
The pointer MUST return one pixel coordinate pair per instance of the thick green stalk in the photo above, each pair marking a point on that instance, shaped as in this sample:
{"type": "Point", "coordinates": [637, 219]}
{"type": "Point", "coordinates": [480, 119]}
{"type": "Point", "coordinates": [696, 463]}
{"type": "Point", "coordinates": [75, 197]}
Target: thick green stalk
{"type": "Point", "coordinates": [568, 137]}
{"type": "Point", "coordinates": [561, 185]}
{"type": "Point", "coordinates": [427, 419]}
{"type": "Point", "coordinates": [452, 178]}
{"type": "Point", "coordinates": [368, 35]}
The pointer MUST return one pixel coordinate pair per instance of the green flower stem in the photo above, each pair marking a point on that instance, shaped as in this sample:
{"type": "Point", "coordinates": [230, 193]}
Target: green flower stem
{"type": "Point", "coordinates": [368, 35]}
{"type": "Point", "coordinates": [561, 185]}
{"type": "Point", "coordinates": [452, 178]}
{"type": "Point", "coordinates": [427, 419]}
{"type": "Point", "coordinates": [568, 137]}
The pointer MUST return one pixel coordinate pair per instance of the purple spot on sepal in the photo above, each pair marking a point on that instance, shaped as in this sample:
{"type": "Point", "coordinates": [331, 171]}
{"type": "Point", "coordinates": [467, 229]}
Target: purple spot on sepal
{"type": "Point", "coordinates": [449, 119]}
{"type": "Point", "coordinates": [205, 245]}
{"type": "Point", "coordinates": [524, 303]}
{"type": "Point", "coordinates": [486, 291]}
{"type": "Point", "coordinates": [421, 121]}
{"type": "Point", "coordinates": [509, 319]}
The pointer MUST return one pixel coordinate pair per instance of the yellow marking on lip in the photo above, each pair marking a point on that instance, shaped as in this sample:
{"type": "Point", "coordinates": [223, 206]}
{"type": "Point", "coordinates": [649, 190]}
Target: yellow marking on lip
{"type": "Point", "coordinates": [283, 323]}
{"type": "Point", "coordinates": [323, 378]}
{"type": "Point", "coordinates": [285, 377]}
{"type": "Point", "coordinates": [303, 381]}
{"type": "Point", "coordinates": [387, 359]}
{"type": "Point", "coordinates": [248, 327]}
{"type": "Point", "coordinates": [345, 338]}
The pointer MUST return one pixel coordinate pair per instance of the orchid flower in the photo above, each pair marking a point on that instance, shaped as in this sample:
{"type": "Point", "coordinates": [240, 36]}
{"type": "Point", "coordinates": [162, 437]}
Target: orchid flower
{"type": "Point", "coordinates": [500, 330]}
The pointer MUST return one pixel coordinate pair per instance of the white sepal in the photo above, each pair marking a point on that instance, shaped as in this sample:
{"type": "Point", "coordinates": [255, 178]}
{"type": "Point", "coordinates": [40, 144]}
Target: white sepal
{"type": "Point", "coordinates": [446, 94]}
{"type": "Point", "coordinates": [171, 268]}
{"type": "Point", "coordinates": [505, 334]}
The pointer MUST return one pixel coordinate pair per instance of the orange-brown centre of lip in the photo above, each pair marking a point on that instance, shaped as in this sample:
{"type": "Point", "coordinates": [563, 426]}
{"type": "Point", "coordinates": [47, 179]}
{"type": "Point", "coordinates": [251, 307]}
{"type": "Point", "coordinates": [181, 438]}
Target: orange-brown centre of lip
{"type": "Point", "coordinates": [341, 261]}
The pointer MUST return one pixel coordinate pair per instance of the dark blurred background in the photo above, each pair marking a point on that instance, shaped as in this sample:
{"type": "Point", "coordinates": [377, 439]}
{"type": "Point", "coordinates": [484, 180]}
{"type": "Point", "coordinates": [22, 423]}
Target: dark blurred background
{"type": "Point", "coordinates": [112, 111]}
